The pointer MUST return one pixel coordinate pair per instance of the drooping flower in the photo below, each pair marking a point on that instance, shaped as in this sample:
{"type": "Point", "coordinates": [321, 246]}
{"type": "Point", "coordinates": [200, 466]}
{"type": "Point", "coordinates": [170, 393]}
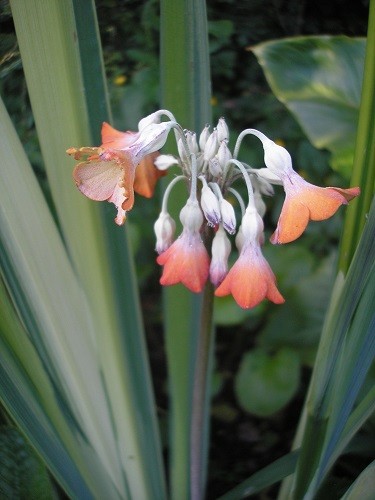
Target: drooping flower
{"type": "Point", "coordinates": [164, 229]}
{"type": "Point", "coordinates": [305, 202]}
{"type": "Point", "coordinates": [251, 279]}
{"type": "Point", "coordinates": [186, 261]}
{"type": "Point", "coordinates": [146, 174]}
{"type": "Point", "coordinates": [210, 204]}
{"type": "Point", "coordinates": [110, 172]}
{"type": "Point", "coordinates": [106, 177]}
{"type": "Point", "coordinates": [228, 216]}
{"type": "Point", "coordinates": [221, 248]}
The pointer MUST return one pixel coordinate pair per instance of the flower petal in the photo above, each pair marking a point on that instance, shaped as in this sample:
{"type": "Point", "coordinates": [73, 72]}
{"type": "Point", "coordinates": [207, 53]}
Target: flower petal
{"type": "Point", "coordinates": [147, 175]}
{"type": "Point", "coordinates": [97, 179]}
{"type": "Point", "coordinates": [114, 139]}
{"type": "Point", "coordinates": [292, 222]}
{"type": "Point", "coordinates": [186, 262]}
{"type": "Point", "coordinates": [250, 280]}
{"type": "Point", "coordinates": [119, 199]}
{"type": "Point", "coordinates": [304, 202]}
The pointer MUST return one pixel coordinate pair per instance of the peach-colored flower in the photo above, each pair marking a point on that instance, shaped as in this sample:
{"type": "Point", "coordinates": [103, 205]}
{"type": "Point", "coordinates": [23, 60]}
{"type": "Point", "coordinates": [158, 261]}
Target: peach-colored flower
{"type": "Point", "coordinates": [116, 169]}
{"type": "Point", "coordinates": [186, 261]}
{"type": "Point", "coordinates": [251, 279]}
{"type": "Point", "coordinates": [305, 202]}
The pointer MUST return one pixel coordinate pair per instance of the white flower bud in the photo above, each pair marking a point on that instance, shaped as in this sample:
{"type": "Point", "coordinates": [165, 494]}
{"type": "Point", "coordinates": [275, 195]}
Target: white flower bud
{"type": "Point", "coordinates": [228, 216]}
{"type": "Point", "coordinates": [252, 224]}
{"type": "Point", "coordinates": [260, 184]}
{"type": "Point", "coordinates": [164, 229]}
{"type": "Point", "coordinates": [211, 146]}
{"type": "Point", "coordinates": [276, 158]}
{"type": "Point", "coordinates": [191, 216]}
{"type": "Point", "coordinates": [224, 154]}
{"type": "Point", "coordinates": [268, 176]}
{"type": "Point", "coordinates": [221, 248]}
{"type": "Point", "coordinates": [191, 140]}
{"type": "Point", "coordinates": [259, 204]}
{"type": "Point", "coordinates": [205, 134]}
{"type": "Point", "coordinates": [210, 206]}
{"type": "Point", "coordinates": [222, 130]}
{"type": "Point", "coordinates": [214, 167]}
{"type": "Point", "coordinates": [163, 162]}
{"type": "Point", "coordinates": [263, 186]}
{"type": "Point", "coordinates": [147, 120]}
{"type": "Point", "coordinates": [239, 240]}
{"type": "Point", "coordinates": [182, 150]}
{"type": "Point", "coordinates": [151, 139]}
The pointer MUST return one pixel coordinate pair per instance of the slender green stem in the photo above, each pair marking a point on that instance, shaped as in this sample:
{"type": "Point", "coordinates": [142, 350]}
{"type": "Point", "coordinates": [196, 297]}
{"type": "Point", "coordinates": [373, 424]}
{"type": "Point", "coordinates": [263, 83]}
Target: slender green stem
{"type": "Point", "coordinates": [167, 192]}
{"type": "Point", "coordinates": [200, 397]}
{"type": "Point", "coordinates": [239, 199]}
{"type": "Point", "coordinates": [249, 186]}
{"type": "Point", "coordinates": [244, 133]}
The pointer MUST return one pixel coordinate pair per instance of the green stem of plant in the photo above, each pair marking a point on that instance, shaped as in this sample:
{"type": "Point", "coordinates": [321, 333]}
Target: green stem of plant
{"type": "Point", "coordinates": [201, 398]}
{"type": "Point", "coordinates": [363, 168]}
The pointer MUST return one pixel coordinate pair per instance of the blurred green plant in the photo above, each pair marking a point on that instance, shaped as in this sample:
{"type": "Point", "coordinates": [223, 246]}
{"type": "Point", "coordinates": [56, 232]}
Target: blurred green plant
{"type": "Point", "coordinates": [319, 79]}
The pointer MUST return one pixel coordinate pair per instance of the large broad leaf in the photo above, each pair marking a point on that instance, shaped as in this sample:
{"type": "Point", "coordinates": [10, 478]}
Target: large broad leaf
{"type": "Point", "coordinates": [264, 383]}
{"type": "Point", "coordinates": [319, 79]}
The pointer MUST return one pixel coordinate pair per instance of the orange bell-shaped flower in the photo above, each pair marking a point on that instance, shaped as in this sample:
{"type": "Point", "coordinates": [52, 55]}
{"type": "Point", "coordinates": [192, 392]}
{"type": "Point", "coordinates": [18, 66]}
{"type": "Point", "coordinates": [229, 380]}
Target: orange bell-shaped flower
{"type": "Point", "coordinates": [305, 202]}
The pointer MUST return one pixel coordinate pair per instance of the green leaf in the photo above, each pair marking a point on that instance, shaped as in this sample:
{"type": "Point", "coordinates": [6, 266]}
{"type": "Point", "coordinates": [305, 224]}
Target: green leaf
{"type": "Point", "coordinates": [268, 476]}
{"type": "Point", "coordinates": [29, 396]}
{"type": "Point", "coordinates": [344, 357]}
{"type": "Point", "coordinates": [298, 323]}
{"type": "Point", "coordinates": [23, 475]}
{"type": "Point", "coordinates": [364, 486]}
{"type": "Point", "coordinates": [319, 79]}
{"type": "Point", "coordinates": [89, 331]}
{"type": "Point", "coordinates": [266, 383]}
{"type": "Point", "coordinates": [227, 312]}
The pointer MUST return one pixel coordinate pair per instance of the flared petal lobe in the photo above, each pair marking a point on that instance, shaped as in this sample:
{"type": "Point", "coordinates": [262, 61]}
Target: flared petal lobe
{"type": "Point", "coordinates": [114, 139]}
{"type": "Point", "coordinates": [305, 202]}
{"type": "Point", "coordinates": [147, 175]}
{"type": "Point", "coordinates": [97, 179]}
{"type": "Point", "coordinates": [108, 176]}
{"type": "Point", "coordinates": [186, 261]}
{"type": "Point", "coordinates": [110, 172]}
{"type": "Point", "coordinates": [250, 280]}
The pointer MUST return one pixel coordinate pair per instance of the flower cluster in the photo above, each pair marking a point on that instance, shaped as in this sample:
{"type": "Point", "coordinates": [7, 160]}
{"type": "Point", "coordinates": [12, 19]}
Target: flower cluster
{"type": "Point", "coordinates": [130, 161]}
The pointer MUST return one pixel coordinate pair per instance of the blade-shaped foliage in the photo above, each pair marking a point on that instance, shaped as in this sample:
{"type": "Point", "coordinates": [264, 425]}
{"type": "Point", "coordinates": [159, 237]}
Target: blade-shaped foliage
{"type": "Point", "coordinates": [115, 396]}
{"type": "Point", "coordinates": [47, 354]}
{"type": "Point", "coordinates": [319, 79]}
{"type": "Point", "coordinates": [343, 359]}
{"type": "Point", "coordinates": [364, 486]}
{"type": "Point", "coordinates": [23, 475]}
{"type": "Point", "coordinates": [265, 477]}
